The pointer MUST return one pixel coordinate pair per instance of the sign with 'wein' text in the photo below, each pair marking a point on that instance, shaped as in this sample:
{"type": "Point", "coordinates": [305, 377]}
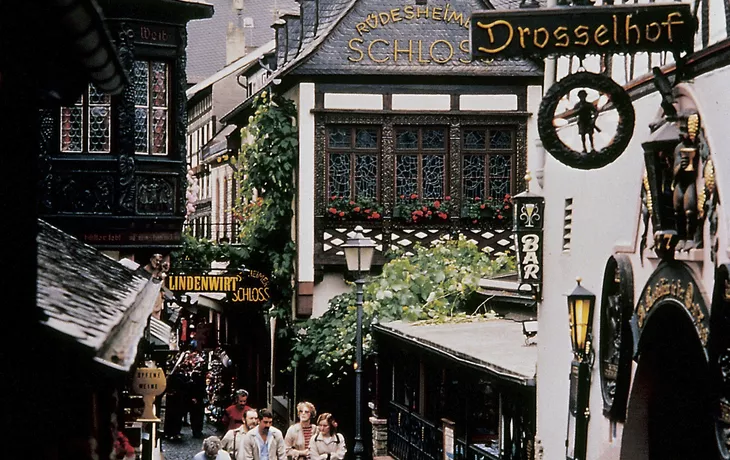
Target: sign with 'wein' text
{"type": "Point", "coordinates": [574, 30]}
{"type": "Point", "coordinates": [244, 287]}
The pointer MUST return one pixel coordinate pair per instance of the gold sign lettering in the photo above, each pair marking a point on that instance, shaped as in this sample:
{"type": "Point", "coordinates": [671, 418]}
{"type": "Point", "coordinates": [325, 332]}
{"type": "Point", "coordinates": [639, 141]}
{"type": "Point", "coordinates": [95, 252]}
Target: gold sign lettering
{"type": "Point", "coordinates": [676, 290]}
{"type": "Point", "coordinates": [236, 285]}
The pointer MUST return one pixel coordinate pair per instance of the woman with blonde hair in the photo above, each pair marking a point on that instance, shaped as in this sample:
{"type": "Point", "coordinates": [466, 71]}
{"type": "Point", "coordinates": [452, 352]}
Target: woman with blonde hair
{"type": "Point", "coordinates": [327, 443]}
{"type": "Point", "coordinates": [298, 435]}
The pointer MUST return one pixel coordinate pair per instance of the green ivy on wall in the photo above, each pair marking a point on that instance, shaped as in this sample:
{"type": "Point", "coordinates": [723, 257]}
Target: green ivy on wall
{"type": "Point", "coordinates": [265, 172]}
{"type": "Point", "coordinates": [433, 285]}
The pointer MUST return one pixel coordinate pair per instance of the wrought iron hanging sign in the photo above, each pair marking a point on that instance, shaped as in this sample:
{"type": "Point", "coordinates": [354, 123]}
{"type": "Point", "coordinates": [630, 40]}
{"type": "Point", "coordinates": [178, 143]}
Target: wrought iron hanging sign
{"type": "Point", "coordinates": [581, 97]}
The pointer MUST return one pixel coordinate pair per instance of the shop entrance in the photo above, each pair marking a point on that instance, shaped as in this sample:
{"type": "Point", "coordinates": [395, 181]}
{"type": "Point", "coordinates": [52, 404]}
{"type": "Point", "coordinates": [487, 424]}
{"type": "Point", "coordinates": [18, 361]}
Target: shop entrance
{"type": "Point", "coordinates": [670, 404]}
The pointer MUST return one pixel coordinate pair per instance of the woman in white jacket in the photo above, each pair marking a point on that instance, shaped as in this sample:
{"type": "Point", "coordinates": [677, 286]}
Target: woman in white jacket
{"type": "Point", "coordinates": [327, 443]}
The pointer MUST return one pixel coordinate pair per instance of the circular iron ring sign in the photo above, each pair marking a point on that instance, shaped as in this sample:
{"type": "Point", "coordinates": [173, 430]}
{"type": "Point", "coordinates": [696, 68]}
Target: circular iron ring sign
{"type": "Point", "coordinates": [593, 159]}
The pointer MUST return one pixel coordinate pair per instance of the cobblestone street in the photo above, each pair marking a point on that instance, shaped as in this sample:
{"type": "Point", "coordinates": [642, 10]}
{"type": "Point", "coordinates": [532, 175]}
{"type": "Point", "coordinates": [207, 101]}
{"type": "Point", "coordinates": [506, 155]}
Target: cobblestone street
{"type": "Point", "coordinates": [188, 446]}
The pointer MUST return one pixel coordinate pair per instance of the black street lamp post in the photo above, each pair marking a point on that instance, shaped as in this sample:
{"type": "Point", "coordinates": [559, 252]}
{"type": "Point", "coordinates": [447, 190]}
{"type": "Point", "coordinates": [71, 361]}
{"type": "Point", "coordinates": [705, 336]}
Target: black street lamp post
{"type": "Point", "coordinates": [359, 252]}
{"type": "Point", "coordinates": [580, 311]}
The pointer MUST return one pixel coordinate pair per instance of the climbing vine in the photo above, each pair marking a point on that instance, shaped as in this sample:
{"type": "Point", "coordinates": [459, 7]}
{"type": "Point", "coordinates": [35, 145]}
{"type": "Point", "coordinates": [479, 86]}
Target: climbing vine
{"type": "Point", "coordinates": [265, 172]}
{"type": "Point", "coordinates": [434, 285]}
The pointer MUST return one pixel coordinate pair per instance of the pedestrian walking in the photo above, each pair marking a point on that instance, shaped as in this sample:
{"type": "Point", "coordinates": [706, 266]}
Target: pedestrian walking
{"type": "Point", "coordinates": [212, 450]}
{"type": "Point", "coordinates": [327, 443]}
{"type": "Point", "coordinates": [197, 402]}
{"type": "Point", "coordinates": [264, 442]}
{"type": "Point", "coordinates": [233, 417]}
{"type": "Point", "coordinates": [298, 435]}
{"type": "Point", "coordinates": [231, 442]}
{"type": "Point", "coordinates": [175, 405]}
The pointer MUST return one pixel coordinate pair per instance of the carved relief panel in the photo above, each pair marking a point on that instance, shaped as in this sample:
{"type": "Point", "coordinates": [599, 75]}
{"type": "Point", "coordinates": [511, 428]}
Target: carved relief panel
{"type": "Point", "coordinates": [617, 302]}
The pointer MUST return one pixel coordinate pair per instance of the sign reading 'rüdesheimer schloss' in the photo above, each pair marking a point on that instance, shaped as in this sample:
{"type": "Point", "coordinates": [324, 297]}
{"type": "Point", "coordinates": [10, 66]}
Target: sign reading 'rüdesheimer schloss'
{"type": "Point", "coordinates": [582, 30]}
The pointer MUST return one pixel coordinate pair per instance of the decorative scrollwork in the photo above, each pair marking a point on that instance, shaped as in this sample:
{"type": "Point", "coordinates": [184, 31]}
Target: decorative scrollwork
{"type": "Point", "coordinates": [586, 121]}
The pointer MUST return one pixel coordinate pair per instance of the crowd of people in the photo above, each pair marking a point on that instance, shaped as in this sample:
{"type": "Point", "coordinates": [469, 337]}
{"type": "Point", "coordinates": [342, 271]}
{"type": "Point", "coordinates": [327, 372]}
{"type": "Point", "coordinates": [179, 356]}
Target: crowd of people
{"type": "Point", "coordinates": [251, 435]}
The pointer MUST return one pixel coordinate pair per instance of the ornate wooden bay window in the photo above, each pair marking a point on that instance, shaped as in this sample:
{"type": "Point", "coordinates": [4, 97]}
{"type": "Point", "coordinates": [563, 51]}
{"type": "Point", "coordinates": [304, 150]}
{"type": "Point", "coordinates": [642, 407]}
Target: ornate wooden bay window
{"type": "Point", "coordinates": [86, 126]}
{"type": "Point", "coordinates": [445, 161]}
{"type": "Point", "coordinates": [150, 81]}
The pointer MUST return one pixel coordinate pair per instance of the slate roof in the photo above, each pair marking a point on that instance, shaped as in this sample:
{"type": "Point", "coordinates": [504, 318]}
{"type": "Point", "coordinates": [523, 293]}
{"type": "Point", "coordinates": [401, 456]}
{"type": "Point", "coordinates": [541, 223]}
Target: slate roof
{"type": "Point", "coordinates": [496, 346]}
{"type": "Point", "coordinates": [90, 299]}
{"type": "Point", "coordinates": [206, 52]}
{"type": "Point", "coordinates": [326, 55]}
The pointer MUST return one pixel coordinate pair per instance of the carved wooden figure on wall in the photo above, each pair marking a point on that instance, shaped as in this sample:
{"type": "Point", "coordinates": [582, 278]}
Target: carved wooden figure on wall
{"type": "Point", "coordinates": [684, 183]}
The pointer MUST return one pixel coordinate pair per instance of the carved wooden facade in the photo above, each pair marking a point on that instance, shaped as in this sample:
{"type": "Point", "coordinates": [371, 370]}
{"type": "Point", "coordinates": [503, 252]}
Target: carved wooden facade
{"type": "Point", "coordinates": [113, 169]}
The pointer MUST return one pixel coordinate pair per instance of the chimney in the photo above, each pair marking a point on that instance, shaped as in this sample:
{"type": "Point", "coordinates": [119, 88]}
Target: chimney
{"type": "Point", "coordinates": [293, 35]}
{"type": "Point", "coordinates": [280, 36]}
{"type": "Point", "coordinates": [235, 39]}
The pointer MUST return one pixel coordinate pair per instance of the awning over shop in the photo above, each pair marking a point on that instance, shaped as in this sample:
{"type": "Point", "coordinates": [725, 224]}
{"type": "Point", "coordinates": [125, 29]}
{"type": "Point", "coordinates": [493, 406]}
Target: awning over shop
{"type": "Point", "coordinates": [160, 332]}
{"type": "Point", "coordinates": [496, 346]}
{"type": "Point", "coordinates": [91, 299]}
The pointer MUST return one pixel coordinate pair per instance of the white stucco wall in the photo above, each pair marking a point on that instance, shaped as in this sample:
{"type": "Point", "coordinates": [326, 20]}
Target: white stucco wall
{"type": "Point", "coordinates": [305, 211]}
{"type": "Point", "coordinates": [606, 219]}
{"type": "Point", "coordinates": [331, 285]}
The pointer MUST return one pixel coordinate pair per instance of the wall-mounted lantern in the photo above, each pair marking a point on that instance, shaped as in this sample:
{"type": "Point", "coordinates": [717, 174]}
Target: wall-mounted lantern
{"type": "Point", "coordinates": [580, 312]}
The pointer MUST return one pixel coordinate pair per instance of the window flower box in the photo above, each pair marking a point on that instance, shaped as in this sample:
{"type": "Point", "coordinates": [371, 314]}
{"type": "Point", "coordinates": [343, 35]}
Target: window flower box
{"type": "Point", "coordinates": [412, 209]}
{"type": "Point", "coordinates": [344, 209]}
{"type": "Point", "coordinates": [493, 212]}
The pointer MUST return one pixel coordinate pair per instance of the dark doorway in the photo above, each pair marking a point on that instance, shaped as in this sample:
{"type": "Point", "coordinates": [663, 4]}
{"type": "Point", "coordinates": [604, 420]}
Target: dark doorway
{"type": "Point", "coordinates": [669, 413]}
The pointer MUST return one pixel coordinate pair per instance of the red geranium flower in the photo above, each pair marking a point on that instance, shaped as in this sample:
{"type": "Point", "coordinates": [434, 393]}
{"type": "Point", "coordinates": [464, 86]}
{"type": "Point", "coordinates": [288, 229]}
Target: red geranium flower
{"type": "Point", "coordinates": [447, 198]}
{"type": "Point", "coordinates": [357, 209]}
{"type": "Point", "coordinates": [482, 206]}
{"type": "Point", "coordinates": [333, 210]}
{"type": "Point", "coordinates": [437, 204]}
{"type": "Point", "coordinates": [413, 196]}
{"type": "Point", "coordinates": [376, 215]}
{"type": "Point", "coordinates": [476, 198]}
{"type": "Point", "coordinates": [341, 214]}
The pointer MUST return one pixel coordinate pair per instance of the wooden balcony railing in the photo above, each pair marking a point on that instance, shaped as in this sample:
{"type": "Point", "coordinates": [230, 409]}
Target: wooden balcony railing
{"type": "Point", "coordinates": [330, 235]}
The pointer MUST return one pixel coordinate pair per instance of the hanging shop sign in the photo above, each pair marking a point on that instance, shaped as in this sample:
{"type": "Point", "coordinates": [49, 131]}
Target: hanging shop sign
{"type": "Point", "coordinates": [528, 229]}
{"type": "Point", "coordinates": [582, 30]}
{"type": "Point", "coordinates": [585, 113]}
{"type": "Point", "coordinates": [249, 286]}
{"type": "Point", "coordinates": [617, 304]}
{"type": "Point", "coordinates": [581, 97]}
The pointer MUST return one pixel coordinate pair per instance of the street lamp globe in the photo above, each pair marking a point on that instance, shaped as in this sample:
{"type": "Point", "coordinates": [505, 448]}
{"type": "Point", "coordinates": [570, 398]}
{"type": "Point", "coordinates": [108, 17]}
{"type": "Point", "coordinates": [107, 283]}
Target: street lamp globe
{"type": "Point", "coordinates": [359, 251]}
{"type": "Point", "coordinates": [580, 311]}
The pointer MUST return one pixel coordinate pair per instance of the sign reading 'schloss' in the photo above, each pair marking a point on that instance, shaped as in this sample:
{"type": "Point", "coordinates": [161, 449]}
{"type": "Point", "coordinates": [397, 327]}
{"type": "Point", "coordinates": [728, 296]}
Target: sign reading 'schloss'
{"type": "Point", "coordinates": [582, 30]}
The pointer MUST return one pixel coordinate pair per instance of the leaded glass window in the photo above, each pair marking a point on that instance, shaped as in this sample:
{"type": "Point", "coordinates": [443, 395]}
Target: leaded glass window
{"type": "Point", "coordinates": [353, 161]}
{"type": "Point", "coordinates": [420, 165]}
{"type": "Point", "coordinates": [150, 83]}
{"type": "Point", "coordinates": [488, 162]}
{"type": "Point", "coordinates": [86, 125]}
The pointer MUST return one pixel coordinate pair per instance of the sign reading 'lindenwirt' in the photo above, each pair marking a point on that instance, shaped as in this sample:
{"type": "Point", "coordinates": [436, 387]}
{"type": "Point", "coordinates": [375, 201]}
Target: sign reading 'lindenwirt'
{"type": "Point", "coordinates": [247, 287]}
{"type": "Point", "coordinates": [582, 30]}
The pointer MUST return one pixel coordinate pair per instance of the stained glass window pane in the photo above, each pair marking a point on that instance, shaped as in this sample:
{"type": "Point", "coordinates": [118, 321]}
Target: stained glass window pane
{"type": "Point", "coordinates": [406, 174]}
{"type": "Point", "coordinates": [473, 176]}
{"type": "Point", "coordinates": [500, 169]}
{"type": "Point", "coordinates": [140, 82]}
{"type": "Point", "coordinates": [339, 137]}
{"type": "Point", "coordinates": [475, 139]}
{"type": "Point", "coordinates": [433, 176]}
{"type": "Point", "coordinates": [96, 97]}
{"type": "Point", "coordinates": [500, 139]}
{"type": "Point", "coordinates": [159, 84]}
{"type": "Point", "coordinates": [366, 176]}
{"type": "Point", "coordinates": [99, 128]}
{"type": "Point", "coordinates": [434, 139]}
{"type": "Point", "coordinates": [141, 134]}
{"type": "Point", "coordinates": [159, 131]}
{"type": "Point", "coordinates": [339, 174]}
{"type": "Point", "coordinates": [366, 138]}
{"type": "Point", "coordinates": [71, 124]}
{"type": "Point", "coordinates": [406, 139]}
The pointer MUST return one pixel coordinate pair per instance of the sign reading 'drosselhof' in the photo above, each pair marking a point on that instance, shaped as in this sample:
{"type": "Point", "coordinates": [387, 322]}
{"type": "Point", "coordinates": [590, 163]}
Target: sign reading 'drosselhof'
{"type": "Point", "coordinates": [579, 30]}
{"type": "Point", "coordinates": [250, 286]}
